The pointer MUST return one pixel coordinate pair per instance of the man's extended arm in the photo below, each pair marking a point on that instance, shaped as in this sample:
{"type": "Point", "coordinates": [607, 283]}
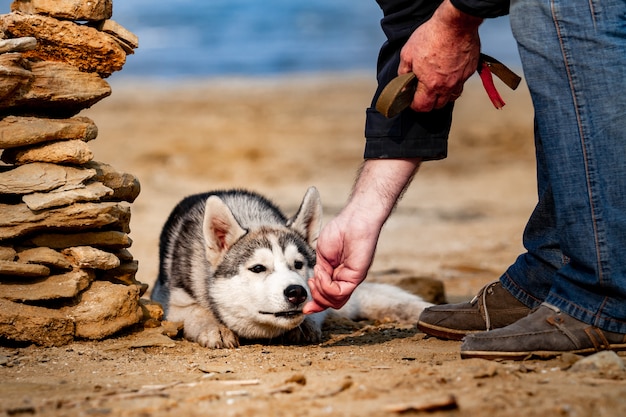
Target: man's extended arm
{"type": "Point", "coordinates": [346, 246]}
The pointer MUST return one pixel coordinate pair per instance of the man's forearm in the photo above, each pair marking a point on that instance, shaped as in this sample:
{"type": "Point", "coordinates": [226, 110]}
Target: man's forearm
{"type": "Point", "coordinates": [379, 185]}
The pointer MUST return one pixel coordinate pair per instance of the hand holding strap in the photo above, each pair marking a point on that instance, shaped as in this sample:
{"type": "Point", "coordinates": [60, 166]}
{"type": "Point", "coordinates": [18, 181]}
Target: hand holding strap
{"type": "Point", "coordinates": [398, 94]}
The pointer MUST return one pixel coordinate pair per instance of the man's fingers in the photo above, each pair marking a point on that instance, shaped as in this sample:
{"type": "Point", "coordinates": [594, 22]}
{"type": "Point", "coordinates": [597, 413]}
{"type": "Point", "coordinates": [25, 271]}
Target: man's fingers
{"type": "Point", "coordinates": [404, 67]}
{"type": "Point", "coordinates": [424, 100]}
{"type": "Point", "coordinates": [312, 307]}
{"type": "Point", "coordinates": [319, 301]}
{"type": "Point", "coordinates": [326, 292]}
{"type": "Point", "coordinates": [316, 286]}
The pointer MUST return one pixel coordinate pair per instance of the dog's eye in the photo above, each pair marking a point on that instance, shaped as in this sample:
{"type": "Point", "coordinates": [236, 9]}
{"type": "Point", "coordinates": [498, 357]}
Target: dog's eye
{"type": "Point", "coordinates": [257, 269]}
{"type": "Point", "coordinates": [298, 264]}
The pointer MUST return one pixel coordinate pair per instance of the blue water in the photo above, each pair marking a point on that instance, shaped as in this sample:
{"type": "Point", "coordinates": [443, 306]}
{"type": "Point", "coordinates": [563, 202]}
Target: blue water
{"type": "Point", "coordinates": [192, 38]}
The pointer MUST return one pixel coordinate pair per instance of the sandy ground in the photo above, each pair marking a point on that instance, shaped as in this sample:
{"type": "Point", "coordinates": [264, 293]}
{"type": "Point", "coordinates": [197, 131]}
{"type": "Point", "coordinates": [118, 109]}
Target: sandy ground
{"type": "Point", "coordinates": [460, 222]}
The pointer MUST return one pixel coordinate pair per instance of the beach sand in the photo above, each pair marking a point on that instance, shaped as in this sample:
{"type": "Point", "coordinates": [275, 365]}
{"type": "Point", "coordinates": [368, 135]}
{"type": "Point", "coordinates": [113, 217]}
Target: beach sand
{"type": "Point", "coordinates": [460, 222]}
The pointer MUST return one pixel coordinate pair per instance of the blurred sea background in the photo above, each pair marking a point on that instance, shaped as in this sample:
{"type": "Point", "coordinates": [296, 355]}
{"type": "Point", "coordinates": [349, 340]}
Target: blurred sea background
{"type": "Point", "coordinates": [181, 39]}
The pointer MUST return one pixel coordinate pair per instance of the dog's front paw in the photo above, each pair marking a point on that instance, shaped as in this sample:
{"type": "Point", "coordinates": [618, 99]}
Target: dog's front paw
{"type": "Point", "coordinates": [218, 337]}
{"type": "Point", "coordinates": [202, 327]}
{"type": "Point", "coordinates": [310, 331]}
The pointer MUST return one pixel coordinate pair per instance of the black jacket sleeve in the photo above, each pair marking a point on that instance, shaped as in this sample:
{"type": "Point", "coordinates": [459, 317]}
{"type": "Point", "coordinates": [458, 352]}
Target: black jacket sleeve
{"type": "Point", "coordinates": [483, 8]}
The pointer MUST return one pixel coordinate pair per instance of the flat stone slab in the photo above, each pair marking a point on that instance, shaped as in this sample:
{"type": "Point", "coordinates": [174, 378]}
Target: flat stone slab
{"type": "Point", "coordinates": [125, 186]}
{"type": "Point", "coordinates": [27, 43]}
{"type": "Point", "coordinates": [127, 40]}
{"type": "Point", "coordinates": [39, 176]}
{"type": "Point", "coordinates": [110, 239]}
{"type": "Point", "coordinates": [44, 256]}
{"type": "Point", "coordinates": [92, 10]}
{"type": "Point", "coordinates": [73, 152]}
{"type": "Point", "coordinates": [124, 274]}
{"type": "Point", "coordinates": [91, 192]}
{"type": "Point", "coordinates": [56, 89]}
{"type": "Point", "coordinates": [92, 258]}
{"type": "Point", "coordinates": [15, 75]}
{"type": "Point", "coordinates": [18, 269]}
{"type": "Point", "coordinates": [81, 46]}
{"type": "Point", "coordinates": [18, 220]}
{"type": "Point", "coordinates": [16, 131]}
{"type": "Point", "coordinates": [54, 287]}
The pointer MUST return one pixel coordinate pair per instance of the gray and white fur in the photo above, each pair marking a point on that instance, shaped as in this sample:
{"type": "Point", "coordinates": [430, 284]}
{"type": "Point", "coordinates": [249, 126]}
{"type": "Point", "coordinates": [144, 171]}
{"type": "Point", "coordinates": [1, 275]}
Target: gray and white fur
{"type": "Point", "coordinates": [233, 266]}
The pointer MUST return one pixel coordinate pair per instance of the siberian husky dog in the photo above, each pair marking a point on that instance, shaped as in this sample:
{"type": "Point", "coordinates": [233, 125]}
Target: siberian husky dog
{"type": "Point", "coordinates": [232, 267]}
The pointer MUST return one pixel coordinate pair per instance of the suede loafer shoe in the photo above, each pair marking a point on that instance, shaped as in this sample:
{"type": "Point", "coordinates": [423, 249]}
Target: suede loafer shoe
{"type": "Point", "coordinates": [545, 333]}
{"type": "Point", "coordinates": [492, 308]}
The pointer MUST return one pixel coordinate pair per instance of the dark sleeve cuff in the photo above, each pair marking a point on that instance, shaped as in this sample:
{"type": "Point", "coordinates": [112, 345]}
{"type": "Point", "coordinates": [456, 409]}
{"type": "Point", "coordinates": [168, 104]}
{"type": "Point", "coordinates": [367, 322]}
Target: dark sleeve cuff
{"type": "Point", "coordinates": [483, 8]}
{"type": "Point", "coordinates": [408, 135]}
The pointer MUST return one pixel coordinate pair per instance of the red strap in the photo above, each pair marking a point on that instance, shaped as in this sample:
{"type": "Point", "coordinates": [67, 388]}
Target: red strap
{"type": "Point", "coordinates": [490, 88]}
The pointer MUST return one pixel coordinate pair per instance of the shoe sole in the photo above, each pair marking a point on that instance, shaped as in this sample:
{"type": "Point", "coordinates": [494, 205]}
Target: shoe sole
{"type": "Point", "coordinates": [538, 354]}
{"type": "Point", "coordinates": [444, 332]}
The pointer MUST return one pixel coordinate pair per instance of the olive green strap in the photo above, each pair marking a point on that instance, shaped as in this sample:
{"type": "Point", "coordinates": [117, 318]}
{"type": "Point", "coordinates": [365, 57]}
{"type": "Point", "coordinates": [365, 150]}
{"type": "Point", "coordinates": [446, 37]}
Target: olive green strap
{"type": "Point", "coordinates": [398, 94]}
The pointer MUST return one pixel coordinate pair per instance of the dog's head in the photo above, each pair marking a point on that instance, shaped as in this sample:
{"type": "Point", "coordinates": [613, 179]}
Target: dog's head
{"type": "Point", "coordinates": [260, 273]}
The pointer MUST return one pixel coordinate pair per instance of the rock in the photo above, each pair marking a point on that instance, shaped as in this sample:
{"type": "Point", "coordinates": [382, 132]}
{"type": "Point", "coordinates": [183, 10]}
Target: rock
{"type": "Point", "coordinates": [124, 255]}
{"type": "Point", "coordinates": [149, 323]}
{"type": "Point", "coordinates": [94, 191]}
{"type": "Point", "coordinates": [151, 310]}
{"type": "Point", "coordinates": [430, 289]}
{"type": "Point", "coordinates": [66, 9]}
{"type": "Point", "coordinates": [152, 337]}
{"type": "Point", "coordinates": [126, 38]}
{"type": "Point", "coordinates": [92, 258]}
{"type": "Point", "coordinates": [426, 403]}
{"type": "Point", "coordinates": [124, 274]}
{"type": "Point", "coordinates": [44, 256]}
{"type": "Point", "coordinates": [172, 328]}
{"type": "Point", "coordinates": [605, 362]}
{"type": "Point", "coordinates": [7, 253]}
{"type": "Point", "coordinates": [53, 56]}
{"type": "Point", "coordinates": [55, 287]}
{"type": "Point", "coordinates": [18, 269]}
{"type": "Point", "coordinates": [105, 240]}
{"type": "Point", "coordinates": [29, 178]}
{"type": "Point", "coordinates": [57, 89]}
{"type": "Point", "coordinates": [105, 309]}
{"type": "Point", "coordinates": [27, 43]}
{"type": "Point", "coordinates": [567, 359]}
{"type": "Point", "coordinates": [23, 131]}
{"type": "Point", "coordinates": [74, 152]}
{"type": "Point", "coordinates": [482, 368]}
{"type": "Point", "coordinates": [18, 220]}
{"type": "Point", "coordinates": [80, 46]}
{"type": "Point", "coordinates": [43, 326]}
{"type": "Point", "coordinates": [15, 75]}
{"type": "Point", "coordinates": [125, 187]}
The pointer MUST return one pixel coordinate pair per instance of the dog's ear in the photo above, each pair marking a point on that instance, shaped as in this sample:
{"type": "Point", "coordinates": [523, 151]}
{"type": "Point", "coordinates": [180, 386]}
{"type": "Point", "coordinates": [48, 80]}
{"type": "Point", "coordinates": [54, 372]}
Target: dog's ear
{"type": "Point", "coordinates": [220, 229]}
{"type": "Point", "coordinates": [308, 219]}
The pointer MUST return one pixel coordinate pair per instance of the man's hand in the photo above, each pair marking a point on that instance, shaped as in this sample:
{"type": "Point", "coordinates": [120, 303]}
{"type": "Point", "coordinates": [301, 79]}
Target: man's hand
{"type": "Point", "coordinates": [443, 53]}
{"type": "Point", "coordinates": [345, 249]}
{"type": "Point", "coordinates": [346, 246]}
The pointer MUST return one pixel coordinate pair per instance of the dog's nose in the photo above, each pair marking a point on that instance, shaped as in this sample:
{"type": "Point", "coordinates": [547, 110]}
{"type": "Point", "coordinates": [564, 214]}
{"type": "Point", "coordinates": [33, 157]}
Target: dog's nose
{"type": "Point", "coordinates": [295, 294]}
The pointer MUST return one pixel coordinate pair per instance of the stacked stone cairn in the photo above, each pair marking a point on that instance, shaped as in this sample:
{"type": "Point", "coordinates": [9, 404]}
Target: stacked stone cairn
{"type": "Point", "coordinates": [65, 269]}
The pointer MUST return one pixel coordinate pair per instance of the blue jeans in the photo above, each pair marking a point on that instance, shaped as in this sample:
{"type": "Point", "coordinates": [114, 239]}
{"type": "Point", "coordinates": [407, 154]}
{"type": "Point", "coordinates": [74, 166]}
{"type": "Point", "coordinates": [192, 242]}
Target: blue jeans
{"type": "Point", "coordinates": [574, 58]}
